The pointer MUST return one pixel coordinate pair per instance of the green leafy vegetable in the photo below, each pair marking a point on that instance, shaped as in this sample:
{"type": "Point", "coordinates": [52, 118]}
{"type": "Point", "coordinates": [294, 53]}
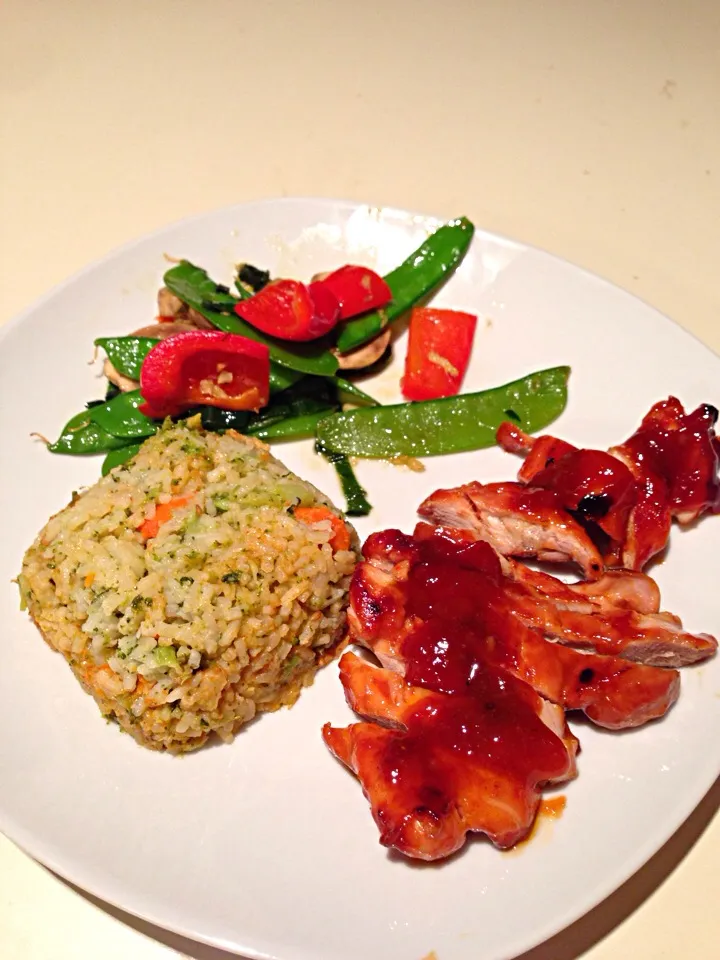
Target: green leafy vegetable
{"type": "Point", "coordinates": [354, 394]}
{"type": "Point", "coordinates": [356, 501]}
{"type": "Point", "coordinates": [165, 656]}
{"type": "Point", "coordinates": [250, 279]}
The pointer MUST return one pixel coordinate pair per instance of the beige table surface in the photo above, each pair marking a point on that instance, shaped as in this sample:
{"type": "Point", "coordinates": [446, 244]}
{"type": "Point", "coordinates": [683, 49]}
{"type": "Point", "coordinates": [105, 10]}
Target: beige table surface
{"type": "Point", "coordinates": [589, 128]}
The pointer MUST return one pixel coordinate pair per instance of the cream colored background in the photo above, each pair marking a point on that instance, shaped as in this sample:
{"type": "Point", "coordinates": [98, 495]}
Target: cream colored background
{"type": "Point", "coordinates": [589, 128]}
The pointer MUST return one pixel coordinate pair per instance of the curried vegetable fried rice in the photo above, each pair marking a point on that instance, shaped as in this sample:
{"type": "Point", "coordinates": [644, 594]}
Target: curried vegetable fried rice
{"type": "Point", "coordinates": [185, 593]}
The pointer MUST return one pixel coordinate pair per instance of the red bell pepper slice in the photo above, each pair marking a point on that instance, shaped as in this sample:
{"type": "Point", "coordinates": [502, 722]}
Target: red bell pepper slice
{"type": "Point", "coordinates": [357, 290]}
{"type": "Point", "coordinates": [439, 348]}
{"type": "Point", "coordinates": [205, 367]}
{"type": "Point", "coordinates": [291, 311]}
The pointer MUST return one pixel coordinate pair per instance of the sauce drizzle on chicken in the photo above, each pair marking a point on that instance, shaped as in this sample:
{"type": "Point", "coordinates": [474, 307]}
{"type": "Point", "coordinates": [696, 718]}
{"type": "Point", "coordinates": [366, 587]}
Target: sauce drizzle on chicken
{"type": "Point", "coordinates": [464, 721]}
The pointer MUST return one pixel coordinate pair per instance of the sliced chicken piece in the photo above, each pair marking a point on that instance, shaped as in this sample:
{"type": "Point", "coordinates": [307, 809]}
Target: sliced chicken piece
{"type": "Point", "coordinates": [466, 601]}
{"type": "Point", "coordinates": [617, 615]}
{"type": "Point", "coordinates": [621, 590]}
{"type": "Point", "coordinates": [378, 597]}
{"type": "Point", "coordinates": [614, 693]}
{"type": "Point", "coordinates": [650, 520]}
{"type": "Point", "coordinates": [669, 469]}
{"type": "Point", "coordinates": [518, 521]}
{"type": "Point", "coordinates": [511, 438]}
{"type": "Point", "coordinates": [497, 690]}
{"type": "Point", "coordinates": [596, 488]}
{"type": "Point", "coordinates": [441, 766]}
{"type": "Point", "coordinates": [674, 453]}
{"type": "Point", "coordinates": [539, 452]}
{"type": "Point", "coordinates": [674, 458]}
{"type": "Point", "coordinates": [615, 590]}
{"type": "Point", "coordinates": [652, 638]}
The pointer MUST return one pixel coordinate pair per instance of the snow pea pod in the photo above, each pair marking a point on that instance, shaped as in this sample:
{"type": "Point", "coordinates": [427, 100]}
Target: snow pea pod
{"type": "Point", "coordinates": [117, 457]}
{"type": "Point", "coordinates": [415, 278]}
{"type": "Point", "coordinates": [449, 425]}
{"type": "Point", "coordinates": [82, 435]}
{"type": "Point", "coordinates": [126, 354]}
{"type": "Point", "coordinates": [121, 417]}
{"type": "Point", "coordinates": [291, 428]}
{"type": "Point", "coordinates": [193, 286]}
{"type": "Point", "coordinates": [354, 394]}
{"type": "Point", "coordinates": [281, 377]}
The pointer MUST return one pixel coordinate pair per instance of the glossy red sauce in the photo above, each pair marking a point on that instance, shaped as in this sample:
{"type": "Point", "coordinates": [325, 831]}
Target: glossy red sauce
{"type": "Point", "coordinates": [544, 452]}
{"type": "Point", "coordinates": [456, 592]}
{"type": "Point", "coordinates": [551, 808]}
{"type": "Point", "coordinates": [681, 449]}
{"type": "Point", "coordinates": [669, 467]}
{"type": "Point", "coordinates": [472, 750]}
{"type": "Point", "coordinates": [596, 485]}
{"type": "Point", "coordinates": [492, 727]}
{"type": "Point", "coordinates": [487, 714]}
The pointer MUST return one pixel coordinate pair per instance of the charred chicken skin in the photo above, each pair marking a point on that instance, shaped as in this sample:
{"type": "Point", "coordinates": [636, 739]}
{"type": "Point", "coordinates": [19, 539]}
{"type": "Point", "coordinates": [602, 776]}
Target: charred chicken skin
{"type": "Point", "coordinates": [627, 497]}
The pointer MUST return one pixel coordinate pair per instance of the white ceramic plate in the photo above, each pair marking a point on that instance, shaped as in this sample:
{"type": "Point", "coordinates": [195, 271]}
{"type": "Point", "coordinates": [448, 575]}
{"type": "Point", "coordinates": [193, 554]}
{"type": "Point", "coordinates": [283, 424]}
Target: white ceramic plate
{"type": "Point", "coordinates": [267, 847]}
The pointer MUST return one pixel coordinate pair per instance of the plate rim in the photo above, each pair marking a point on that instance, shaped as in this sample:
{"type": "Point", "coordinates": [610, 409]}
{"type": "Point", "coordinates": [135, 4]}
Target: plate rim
{"type": "Point", "coordinates": [37, 849]}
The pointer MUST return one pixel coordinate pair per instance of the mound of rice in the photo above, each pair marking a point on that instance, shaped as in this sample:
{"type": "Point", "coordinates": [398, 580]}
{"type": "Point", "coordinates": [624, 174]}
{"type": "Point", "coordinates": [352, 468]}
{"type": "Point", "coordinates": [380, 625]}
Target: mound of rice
{"type": "Point", "coordinates": [228, 610]}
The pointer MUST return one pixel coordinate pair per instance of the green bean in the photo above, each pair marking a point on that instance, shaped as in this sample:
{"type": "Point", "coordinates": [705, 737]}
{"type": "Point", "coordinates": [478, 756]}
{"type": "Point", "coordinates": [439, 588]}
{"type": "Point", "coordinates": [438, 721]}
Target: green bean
{"type": "Point", "coordinates": [281, 377]}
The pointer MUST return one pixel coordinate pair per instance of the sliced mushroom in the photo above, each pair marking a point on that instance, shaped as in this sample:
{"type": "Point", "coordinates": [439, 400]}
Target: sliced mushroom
{"type": "Point", "coordinates": [161, 331]}
{"type": "Point", "coordinates": [320, 276]}
{"type": "Point", "coordinates": [168, 304]}
{"type": "Point", "coordinates": [171, 306]}
{"type": "Point", "coordinates": [197, 320]}
{"type": "Point", "coordinates": [123, 383]}
{"type": "Point", "coordinates": [365, 355]}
